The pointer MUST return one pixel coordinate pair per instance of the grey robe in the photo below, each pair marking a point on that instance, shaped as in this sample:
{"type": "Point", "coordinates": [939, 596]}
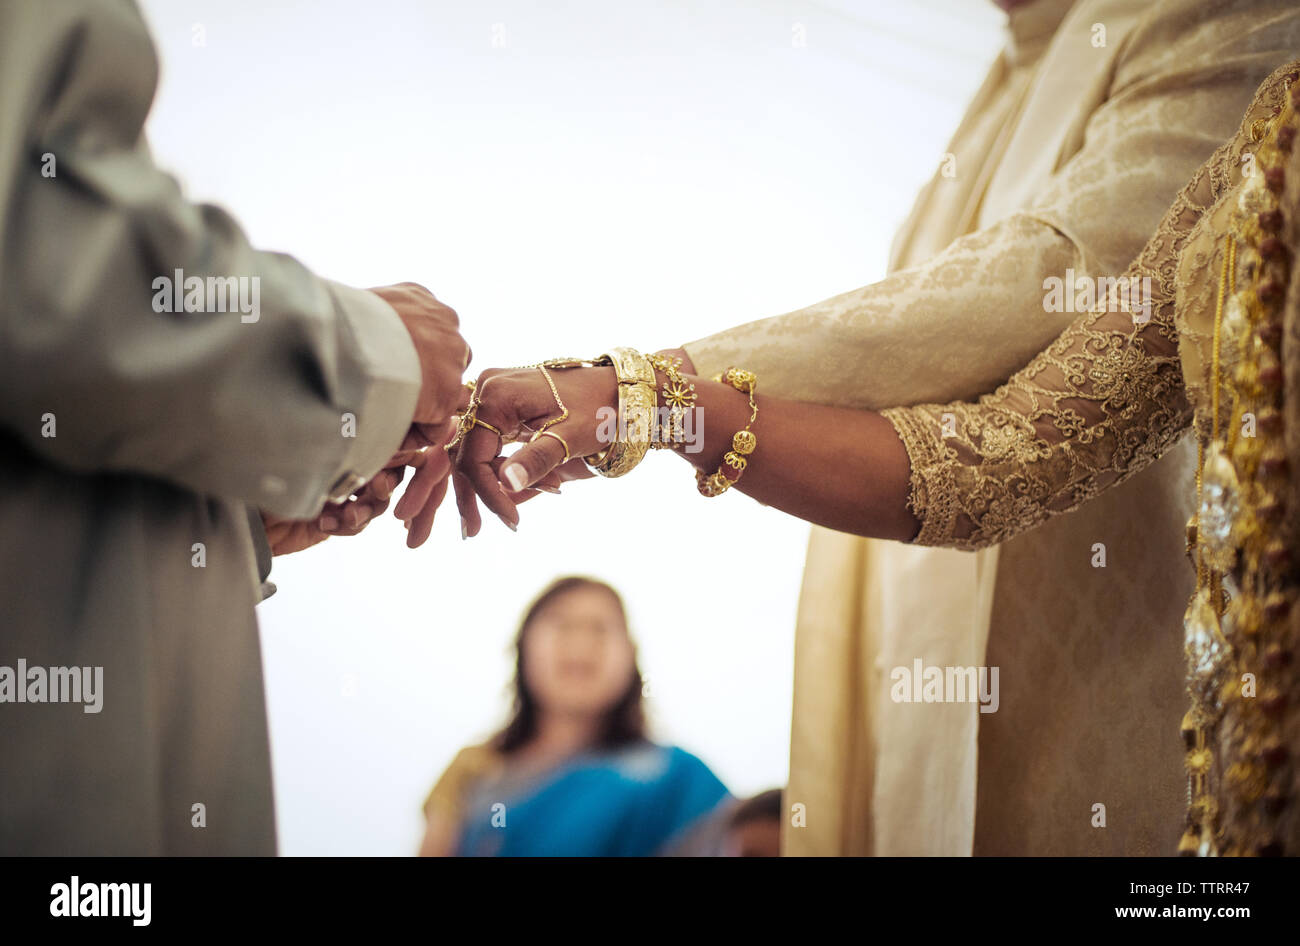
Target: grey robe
{"type": "Point", "coordinates": [165, 427]}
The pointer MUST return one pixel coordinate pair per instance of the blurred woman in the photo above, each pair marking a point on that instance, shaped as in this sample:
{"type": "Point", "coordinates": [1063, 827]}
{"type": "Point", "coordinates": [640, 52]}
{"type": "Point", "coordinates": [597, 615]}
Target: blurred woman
{"type": "Point", "coordinates": [573, 772]}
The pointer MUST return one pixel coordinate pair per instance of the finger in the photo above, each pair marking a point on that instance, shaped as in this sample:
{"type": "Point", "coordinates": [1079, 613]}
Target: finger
{"type": "Point", "coordinates": [466, 502]}
{"type": "Point", "coordinates": [433, 467]}
{"type": "Point", "coordinates": [432, 435]}
{"type": "Point", "coordinates": [417, 491]}
{"type": "Point", "coordinates": [533, 461]}
{"type": "Point", "coordinates": [421, 523]}
{"type": "Point", "coordinates": [480, 448]}
{"type": "Point", "coordinates": [523, 494]}
{"type": "Point", "coordinates": [362, 513]}
{"type": "Point", "coordinates": [550, 483]}
{"type": "Point", "coordinates": [383, 483]}
{"type": "Point", "coordinates": [418, 438]}
{"type": "Point", "coordinates": [345, 519]}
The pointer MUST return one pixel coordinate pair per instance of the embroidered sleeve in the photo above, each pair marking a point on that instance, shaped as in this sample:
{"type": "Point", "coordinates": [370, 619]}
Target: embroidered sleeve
{"type": "Point", "coordinates": [1101, 402]}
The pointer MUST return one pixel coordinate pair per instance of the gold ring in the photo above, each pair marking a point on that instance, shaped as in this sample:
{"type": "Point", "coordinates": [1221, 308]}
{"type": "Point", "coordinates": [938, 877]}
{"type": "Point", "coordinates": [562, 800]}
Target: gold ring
{"type": "Point", "coordinates": [551, 433]}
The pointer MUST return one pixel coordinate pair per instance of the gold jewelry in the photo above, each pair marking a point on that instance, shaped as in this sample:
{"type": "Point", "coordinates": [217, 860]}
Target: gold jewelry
{"type": "Point", "coordinates": [564, 411]}
{"type": "Point", "coordinates": [679, 396]}
{"type": "Point", "coordinates": [550, 433]}
{"type": "Point", "coordinates": [465, 422]}
{"type": "Point", "coordinates": [637, 404]}
{"type": "Point", "coordinates": [743, 441]}
{"type": "Point", "coordinates": [1238, 621]}
{"type": "Point", "coordinates": [482, 423]}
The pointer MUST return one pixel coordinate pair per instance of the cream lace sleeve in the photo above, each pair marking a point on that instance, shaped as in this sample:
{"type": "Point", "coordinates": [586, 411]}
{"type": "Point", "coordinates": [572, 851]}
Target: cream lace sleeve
{"type": "Point", "coordinates": [1101, 402]}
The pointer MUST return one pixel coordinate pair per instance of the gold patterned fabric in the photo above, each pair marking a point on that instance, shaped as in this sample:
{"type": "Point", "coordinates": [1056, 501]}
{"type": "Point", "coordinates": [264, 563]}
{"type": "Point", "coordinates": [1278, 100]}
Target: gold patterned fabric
{"type": "Point", "coordinates": [1068, 158]}
{"type": "Point", "coordinates": [1102, 402]}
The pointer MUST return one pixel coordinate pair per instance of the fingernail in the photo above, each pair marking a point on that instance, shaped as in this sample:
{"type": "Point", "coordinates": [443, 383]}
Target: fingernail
{"type": "Point", "coordinates": [515, 477]}
{"type": "Point", "coordinates": [464, 528]}
{"type": "Point", "coordinates": [328, 523]}
{"type": "Point", "coordinates": [514, 527]}
{"type": "Point", "coordinates": [548, 489]}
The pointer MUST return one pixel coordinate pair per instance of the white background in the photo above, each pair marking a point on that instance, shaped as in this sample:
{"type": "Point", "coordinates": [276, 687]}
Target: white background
{"type": "Point", "coordinates": [568, 176]}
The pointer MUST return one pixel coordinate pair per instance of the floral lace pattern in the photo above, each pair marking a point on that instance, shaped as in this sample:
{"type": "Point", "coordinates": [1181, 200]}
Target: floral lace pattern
{"type": "Point", "coordinates": [1100, 403]}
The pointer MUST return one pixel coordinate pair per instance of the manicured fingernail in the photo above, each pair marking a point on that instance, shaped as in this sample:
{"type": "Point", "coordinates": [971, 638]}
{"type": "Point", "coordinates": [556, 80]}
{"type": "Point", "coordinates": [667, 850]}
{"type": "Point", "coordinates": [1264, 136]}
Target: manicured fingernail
{"type": "Point", "coordinates": [329, 523]}
{"type": "Point", "coordinates": [464, 528]}
{"type": "Point", "coordinates": [515, 477]}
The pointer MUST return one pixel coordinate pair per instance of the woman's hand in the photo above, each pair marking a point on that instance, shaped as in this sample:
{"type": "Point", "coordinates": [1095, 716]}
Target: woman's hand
{"type": "Point", "coordinates": [518, 402]}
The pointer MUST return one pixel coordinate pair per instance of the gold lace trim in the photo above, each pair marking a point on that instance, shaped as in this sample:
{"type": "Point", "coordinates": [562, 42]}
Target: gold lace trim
{"type": "Point", "coordinates": [1103, 401]}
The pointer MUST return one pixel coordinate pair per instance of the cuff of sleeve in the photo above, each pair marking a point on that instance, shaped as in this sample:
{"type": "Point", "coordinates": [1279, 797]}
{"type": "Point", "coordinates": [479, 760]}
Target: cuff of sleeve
{"type": "Point", "coordinates": [380, 375]}
{"type": "Point", "coordinates": [930, 495]}
{"type": "Point", "coordinates": [261, 550]}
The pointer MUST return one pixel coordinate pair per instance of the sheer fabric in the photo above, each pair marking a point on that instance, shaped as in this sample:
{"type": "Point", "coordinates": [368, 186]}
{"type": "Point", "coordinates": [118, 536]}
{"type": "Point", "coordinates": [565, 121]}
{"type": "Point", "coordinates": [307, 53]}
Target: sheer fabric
{"type": "Point", "coordinates": [1099, 404]}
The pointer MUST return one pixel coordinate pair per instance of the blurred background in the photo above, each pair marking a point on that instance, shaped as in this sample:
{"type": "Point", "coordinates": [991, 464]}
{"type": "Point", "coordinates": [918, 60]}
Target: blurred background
{"type": "Point", "coordinates": [568, 176]}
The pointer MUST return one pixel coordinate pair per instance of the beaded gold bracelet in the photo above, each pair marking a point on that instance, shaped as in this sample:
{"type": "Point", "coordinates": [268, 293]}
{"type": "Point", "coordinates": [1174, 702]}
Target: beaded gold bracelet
{"type": "Point", "coordinates": [743, 441]}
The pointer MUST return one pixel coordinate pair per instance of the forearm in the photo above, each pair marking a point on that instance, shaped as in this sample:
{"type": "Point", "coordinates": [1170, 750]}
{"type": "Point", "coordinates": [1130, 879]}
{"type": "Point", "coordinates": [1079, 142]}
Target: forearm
{"type": "Point", "coordinates": [837, 467]}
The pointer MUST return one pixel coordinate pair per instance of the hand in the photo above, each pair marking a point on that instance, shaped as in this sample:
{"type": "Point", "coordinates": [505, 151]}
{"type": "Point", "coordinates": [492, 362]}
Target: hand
{"type": "Point", "coordinates": [423, 451]}
{"type": "Point", "coordinates": [443, 353]}
{"type": "Point", "coordinates": [518, 402]}
{"type": "Point", "coordinates": [346, 518]}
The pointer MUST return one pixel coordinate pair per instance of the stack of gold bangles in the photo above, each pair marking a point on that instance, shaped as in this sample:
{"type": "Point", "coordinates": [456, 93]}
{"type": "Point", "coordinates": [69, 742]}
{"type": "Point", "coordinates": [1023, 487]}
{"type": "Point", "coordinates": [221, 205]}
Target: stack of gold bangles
{"type": "Point", "coordinates": [638, 414]}
{"type": "Point", "coordinates": [637, 409]}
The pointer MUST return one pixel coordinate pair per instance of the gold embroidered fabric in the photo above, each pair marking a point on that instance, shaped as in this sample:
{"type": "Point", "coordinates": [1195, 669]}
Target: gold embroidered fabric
{"type": "Point", "coordinates": [1099, 404]}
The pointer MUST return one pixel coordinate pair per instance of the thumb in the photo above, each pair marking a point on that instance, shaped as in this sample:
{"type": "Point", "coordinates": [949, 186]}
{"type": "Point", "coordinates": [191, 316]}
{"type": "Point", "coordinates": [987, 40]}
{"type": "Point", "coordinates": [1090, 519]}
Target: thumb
{"type": "Point", "coordinates": [532, 461]}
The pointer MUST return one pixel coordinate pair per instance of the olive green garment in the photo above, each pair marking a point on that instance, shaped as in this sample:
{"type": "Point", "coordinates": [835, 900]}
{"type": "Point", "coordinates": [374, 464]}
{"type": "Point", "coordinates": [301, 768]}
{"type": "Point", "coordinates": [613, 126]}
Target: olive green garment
{"type": "Point", "coordinates": [132, 442]}
{"type": "Point", "coordinates": [1091, 119]}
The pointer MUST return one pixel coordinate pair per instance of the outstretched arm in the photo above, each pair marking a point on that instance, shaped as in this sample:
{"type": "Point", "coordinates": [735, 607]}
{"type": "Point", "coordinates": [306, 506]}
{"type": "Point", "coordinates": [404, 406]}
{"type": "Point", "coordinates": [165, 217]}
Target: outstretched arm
{"type": "Point", "coordinates": [1101, 402]}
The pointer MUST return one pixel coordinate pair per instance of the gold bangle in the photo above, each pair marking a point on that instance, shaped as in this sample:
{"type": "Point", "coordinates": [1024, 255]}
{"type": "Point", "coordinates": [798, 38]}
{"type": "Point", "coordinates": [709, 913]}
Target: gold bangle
{"type": "Point", "coordinates": [743, 441]}
{"type": "Point", "coordinates": [637, 404]}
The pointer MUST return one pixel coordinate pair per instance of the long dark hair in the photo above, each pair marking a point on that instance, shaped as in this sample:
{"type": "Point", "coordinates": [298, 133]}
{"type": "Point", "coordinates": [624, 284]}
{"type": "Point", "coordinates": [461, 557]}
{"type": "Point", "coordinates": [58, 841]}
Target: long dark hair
{"type": "Point", "coordinates": [624, 721]}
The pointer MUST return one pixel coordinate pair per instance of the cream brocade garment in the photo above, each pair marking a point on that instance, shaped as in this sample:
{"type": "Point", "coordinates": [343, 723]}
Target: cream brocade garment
{"type": "Point", "coordinates": [1102, 402]}
{"type": "Point", "coordinates": [1105, 400]}
{"type": "Point", "coordinates": [1068, 158]}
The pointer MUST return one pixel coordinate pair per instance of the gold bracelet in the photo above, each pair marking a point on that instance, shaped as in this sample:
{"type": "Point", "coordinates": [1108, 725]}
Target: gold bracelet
{"type": "Point", "coordinates": [637, 405]}
{"type": "Point", "coordinates": [742, 443]}
{"type": "Point", "coordinates": [679, 396]}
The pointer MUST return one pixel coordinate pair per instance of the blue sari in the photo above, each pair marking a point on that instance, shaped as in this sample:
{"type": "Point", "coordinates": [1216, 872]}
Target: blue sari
{"type": "Point", "coordinates": [626, 802]}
